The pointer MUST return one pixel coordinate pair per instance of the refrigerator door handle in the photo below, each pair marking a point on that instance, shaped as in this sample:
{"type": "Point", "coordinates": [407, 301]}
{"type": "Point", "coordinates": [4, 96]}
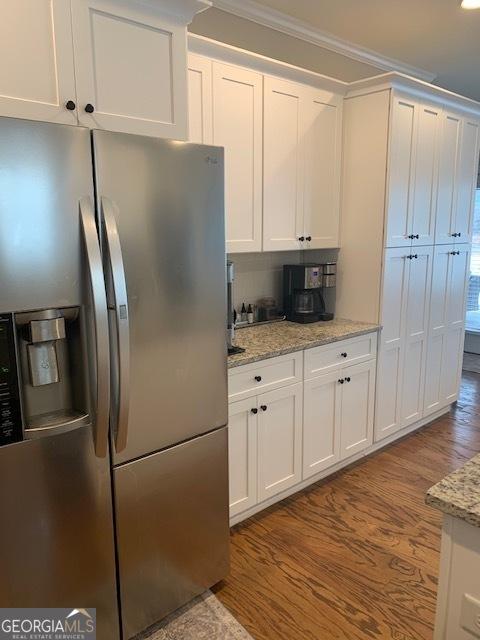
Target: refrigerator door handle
{"type": "Point", "coordinates": [100, 317]}
{"type": "Point", "coordinates": [119, 309]}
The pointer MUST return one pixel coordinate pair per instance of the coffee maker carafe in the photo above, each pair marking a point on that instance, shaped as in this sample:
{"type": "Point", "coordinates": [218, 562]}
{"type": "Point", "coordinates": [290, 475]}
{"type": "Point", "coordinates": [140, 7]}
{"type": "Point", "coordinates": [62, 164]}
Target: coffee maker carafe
{"type": "Point", "coordinates": [302, 291]}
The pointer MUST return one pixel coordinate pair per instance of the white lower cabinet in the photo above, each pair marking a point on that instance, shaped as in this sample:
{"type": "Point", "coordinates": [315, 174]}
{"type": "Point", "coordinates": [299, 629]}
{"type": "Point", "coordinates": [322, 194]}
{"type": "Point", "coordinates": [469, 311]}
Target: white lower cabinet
{"type": "Point", "coordinates": [356, 417]}
{"type": "Point", "coordinates": [416, 332]}
{"type": "Point", "coordinates": [338, 416]}
{"type": "Point", "coordinates": [403, 343]}
{"type": "Point", "coordinates": [292, 429]}
{"type": "Point", "coordinates": [391, 343]}
{"type": "Point", "coordinates": [446, 326]}
{"type": "Point", "coordinates": [322, 410]}
{"type": "Point", "coordinates": [242, 454]}
{"type": "Point", "coordinates": [279, 440]}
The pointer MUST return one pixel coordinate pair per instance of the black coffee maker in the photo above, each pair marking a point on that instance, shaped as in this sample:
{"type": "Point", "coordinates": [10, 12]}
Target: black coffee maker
{"type": "Point", "coordinates": [302, 291]}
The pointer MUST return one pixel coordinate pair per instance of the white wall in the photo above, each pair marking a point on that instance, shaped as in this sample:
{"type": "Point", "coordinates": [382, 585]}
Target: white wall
{"type": "Point", "coordinates": [245, 34]}
{"type": "Point", "coordinates": [258, 275]}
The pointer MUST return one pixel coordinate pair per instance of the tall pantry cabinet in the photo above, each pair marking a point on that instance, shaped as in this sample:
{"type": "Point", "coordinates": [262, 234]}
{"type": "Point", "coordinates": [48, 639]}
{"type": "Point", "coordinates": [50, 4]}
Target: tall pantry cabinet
{"type": "Point", "coordinates": [409, 176]}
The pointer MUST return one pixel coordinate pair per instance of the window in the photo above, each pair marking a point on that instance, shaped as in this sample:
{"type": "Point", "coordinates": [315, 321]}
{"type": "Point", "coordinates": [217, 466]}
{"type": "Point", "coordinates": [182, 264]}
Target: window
{"type": "Point", "coordinates": [473, 298]}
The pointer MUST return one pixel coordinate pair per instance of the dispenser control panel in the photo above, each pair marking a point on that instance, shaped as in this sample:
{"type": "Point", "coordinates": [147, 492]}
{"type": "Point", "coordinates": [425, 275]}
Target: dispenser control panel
{"type": "Point", "coordinates": [10, 414]}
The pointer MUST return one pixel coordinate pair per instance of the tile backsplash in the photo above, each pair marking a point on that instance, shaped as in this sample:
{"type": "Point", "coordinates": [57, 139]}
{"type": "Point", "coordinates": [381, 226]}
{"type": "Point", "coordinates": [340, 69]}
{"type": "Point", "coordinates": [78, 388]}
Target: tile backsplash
{"type": "Point", "coordinates": [258, 275]}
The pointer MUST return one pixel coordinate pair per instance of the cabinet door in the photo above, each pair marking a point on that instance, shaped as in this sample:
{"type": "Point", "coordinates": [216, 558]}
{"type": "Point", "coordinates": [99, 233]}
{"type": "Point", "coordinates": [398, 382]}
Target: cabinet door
{"type": "Point", "coordinates": [446, 326]}
{"type": "Point", "coordinates": [200, 108]}
{"type": "Point", "coordinates": [283, 165]}
{"type": "Point", "coordinates": [242, 455]}
{"type": "Point", "coordinates": [323, 144]}
{"type": "Point", "coordinates": [392, 341]}
{"type": "Point", "coordinates": [356, 422]}
{"type": "Point", "coordinates": [447, 169]}
{"type": "Point", "coordinates": [457, 294]}
{"type": "Point", "coordinates": [237, 126]}
{"type": "Point", "coordinates": [416, 332]}
{"type": "Point", "coordinates": [437, 331]}
{"type": "Point", "coordinates": [36, 75]}
{"type": "Point", "coordinates": [400, 172]}
{"type": "Point", "coordinates": [466, 180]}
{"type": "Point", "coordinates": [321, 423]}
{"type": "Point", "coordinates": [425, 175]}
{"type": "Point", "coordinates": [279, 440]}
{"type": "Point", "coordinates": [130, 66]}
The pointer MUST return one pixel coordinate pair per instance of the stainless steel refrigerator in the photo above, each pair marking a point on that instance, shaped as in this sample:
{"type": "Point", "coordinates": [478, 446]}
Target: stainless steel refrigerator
{"type": "Point", "coordinates": [113, 385]}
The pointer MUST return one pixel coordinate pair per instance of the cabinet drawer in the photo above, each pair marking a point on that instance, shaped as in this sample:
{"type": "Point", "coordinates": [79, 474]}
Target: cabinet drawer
{"type": "Point", "coordinates": [329, 357]}
{"type": "Point", "coordinates": [250, 379]}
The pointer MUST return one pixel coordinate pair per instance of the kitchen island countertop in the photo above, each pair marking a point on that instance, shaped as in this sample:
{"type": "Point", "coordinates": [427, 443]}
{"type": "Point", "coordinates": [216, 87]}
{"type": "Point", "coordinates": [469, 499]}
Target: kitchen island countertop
{"type": "Point", "coordinates": [458, 494]}
{"type": "Point", "coordinates": [277, 338]}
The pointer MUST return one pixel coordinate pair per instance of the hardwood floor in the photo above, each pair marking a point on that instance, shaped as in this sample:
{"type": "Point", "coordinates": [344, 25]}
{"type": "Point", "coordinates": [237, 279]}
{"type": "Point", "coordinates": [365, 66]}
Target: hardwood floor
{"type": "Point", "coordinates": [355, 556]}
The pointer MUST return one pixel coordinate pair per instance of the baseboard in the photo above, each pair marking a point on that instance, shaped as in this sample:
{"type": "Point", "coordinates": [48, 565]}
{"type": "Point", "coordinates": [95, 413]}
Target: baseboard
{"type": "Point", "coordinates": [373, 448]}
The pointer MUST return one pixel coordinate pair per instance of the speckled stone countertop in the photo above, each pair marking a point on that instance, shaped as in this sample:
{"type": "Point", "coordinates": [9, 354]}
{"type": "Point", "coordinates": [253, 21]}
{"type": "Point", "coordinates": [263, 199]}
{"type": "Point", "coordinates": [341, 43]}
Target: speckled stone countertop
{"type": "Point", "coordinates": [275, 339]}
{"type": "Point", "coordinates": [458, 494]}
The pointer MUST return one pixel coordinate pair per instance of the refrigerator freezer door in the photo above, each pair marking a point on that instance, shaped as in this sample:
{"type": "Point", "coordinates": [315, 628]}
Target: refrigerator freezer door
{"type": "Point", "coordinates": [167, 198]}
{"type": "Point", "coordinates": [172, 528]}
{"type": "Point", "coordinates": [44, 171]}
{"type": "Point", "coordinates": [56, 532]}
{"type": "Point", "coordinates": [56, 537]}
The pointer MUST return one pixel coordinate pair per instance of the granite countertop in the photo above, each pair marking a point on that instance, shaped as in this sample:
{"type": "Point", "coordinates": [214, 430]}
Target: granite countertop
{"type": "Point", "coordinates": [275, 339]}
{"type": "Point", "coordinates": [458, 494]}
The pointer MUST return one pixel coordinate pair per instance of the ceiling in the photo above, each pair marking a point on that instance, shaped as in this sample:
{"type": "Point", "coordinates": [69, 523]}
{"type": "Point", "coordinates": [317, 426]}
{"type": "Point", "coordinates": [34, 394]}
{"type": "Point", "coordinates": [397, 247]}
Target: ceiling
{"type": "Point", "coordinates": [436, 35]}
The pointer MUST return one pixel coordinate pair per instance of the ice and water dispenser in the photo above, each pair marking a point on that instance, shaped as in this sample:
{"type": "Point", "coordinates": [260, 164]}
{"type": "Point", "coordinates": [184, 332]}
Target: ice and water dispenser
{"type": "Point", "coordinates": [43, 383]}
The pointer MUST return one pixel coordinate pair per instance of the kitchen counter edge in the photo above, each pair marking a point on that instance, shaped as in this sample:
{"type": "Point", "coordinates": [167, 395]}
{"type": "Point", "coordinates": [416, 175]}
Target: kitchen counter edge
{"type": "Point", "coordinates": [458, 494]}
{"type": "Point", "coordinates": [351, 329]}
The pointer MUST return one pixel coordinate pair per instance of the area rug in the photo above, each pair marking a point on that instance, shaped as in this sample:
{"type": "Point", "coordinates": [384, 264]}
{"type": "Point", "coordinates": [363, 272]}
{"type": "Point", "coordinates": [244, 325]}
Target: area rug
{"type": "Point", "coordinates": [471, 362]}
{"type": "Point", "coordinates": [205, 618]}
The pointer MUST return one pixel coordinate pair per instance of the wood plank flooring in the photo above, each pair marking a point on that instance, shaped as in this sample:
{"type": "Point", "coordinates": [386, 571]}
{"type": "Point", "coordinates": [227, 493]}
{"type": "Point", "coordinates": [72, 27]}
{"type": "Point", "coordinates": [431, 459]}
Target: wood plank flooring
{"type": "Point", "coordinates": [355, 556]}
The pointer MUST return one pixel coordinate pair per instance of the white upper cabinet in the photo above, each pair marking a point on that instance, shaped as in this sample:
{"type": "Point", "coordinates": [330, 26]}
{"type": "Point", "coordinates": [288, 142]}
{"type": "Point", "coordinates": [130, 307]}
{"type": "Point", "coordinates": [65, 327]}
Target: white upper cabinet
{"type": "Point", "coordinates": [412, 183]}
{"type": "Point", "coordinates": [237, 126]}
{"type": "Point", "coordinates": [112, 64]}
{"type": "Point", "coordinates": [302, 158]}
{"type": "Point", "coordinates": [458, 168]}
{"type": "Point", "coordinates": [200, 108]}
{"type": "Point", "coordinates": [130, 68]}
{"type": "Point", "coordinates": [323, 148]}
{"type": "Point", "coordinates": [433, 163]}
{"type": "Point", "coordinates": [400, 172]}
{"type": "Point", "coordinates": [37, 77]}
{"type": "Point", "coordinates": [424, 183]}
{"type": "Point", "coordinates": [283, 190]}
{"type": "Point", "coordinates": [466, 180]}
{"type": "Point", "coordinates": [447, 169]}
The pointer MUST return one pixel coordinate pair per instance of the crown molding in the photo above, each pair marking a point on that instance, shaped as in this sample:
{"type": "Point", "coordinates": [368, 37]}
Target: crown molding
{"type": "Point", "coordinates": [414, 87]}
{"type": "Point", "coordinates": [184, 10]}
{"type": "Point", "coordinates": [291, 26]}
